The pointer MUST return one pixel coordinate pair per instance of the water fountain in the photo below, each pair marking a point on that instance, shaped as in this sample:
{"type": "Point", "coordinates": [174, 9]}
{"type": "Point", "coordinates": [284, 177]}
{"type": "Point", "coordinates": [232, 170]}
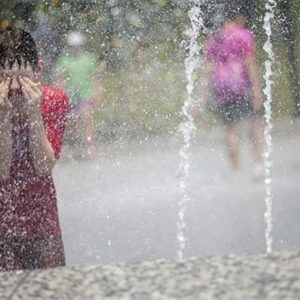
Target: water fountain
{"type": "Point", "coordinates": [187, 126]}
{"type": "Point", "coordinates": [269, 15]}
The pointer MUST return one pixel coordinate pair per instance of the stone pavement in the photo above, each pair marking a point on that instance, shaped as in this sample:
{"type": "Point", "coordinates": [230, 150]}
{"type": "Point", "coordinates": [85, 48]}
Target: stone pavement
{"type": "Point", "coordinates": [259, 277]}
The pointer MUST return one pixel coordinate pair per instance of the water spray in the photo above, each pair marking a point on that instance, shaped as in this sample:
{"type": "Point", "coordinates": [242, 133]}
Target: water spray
{"type": "Point", "coordinates": [269, 16]}
{"type": "Point", "coordinates": [187, 126]}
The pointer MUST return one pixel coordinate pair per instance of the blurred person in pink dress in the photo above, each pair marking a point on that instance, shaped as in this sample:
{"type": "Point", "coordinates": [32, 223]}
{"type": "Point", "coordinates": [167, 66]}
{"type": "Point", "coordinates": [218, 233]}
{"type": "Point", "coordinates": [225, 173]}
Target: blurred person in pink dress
{"type": "Point", "coordinates": [234, 78]}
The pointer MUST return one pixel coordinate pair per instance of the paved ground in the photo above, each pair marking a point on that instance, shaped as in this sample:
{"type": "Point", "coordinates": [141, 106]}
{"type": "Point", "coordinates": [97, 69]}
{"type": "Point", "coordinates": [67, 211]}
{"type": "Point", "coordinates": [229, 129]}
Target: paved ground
{"type": "Point", "coordinates": [259, 277]}
{"type": "Point", "coordinates": [124, 206]}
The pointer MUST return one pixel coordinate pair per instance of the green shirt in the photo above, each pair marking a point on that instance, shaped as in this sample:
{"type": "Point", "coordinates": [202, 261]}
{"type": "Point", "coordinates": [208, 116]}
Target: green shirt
{"type": "Point", "coordinates": [78, 71]}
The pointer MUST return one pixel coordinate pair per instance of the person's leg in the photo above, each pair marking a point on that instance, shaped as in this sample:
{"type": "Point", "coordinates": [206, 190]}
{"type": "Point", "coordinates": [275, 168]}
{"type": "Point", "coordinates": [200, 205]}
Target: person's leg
{"type": "Point", "coordinates": [232, 144]}
{"type": "Point", "coordinates": [74, 126]}
{"type": "Point", "coordinates": [257, 140]}
{"type": "Point", "coordinates": [230, 114]}
{"type": "Point", "coordinates": [74, 135]}
{"type": "Point", "coordinates": [88, 118]}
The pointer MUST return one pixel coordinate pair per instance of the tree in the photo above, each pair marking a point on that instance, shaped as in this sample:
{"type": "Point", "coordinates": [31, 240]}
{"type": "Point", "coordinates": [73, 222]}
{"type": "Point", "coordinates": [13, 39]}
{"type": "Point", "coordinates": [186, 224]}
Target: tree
{"type": "Point", "coordinates": [287, 7]}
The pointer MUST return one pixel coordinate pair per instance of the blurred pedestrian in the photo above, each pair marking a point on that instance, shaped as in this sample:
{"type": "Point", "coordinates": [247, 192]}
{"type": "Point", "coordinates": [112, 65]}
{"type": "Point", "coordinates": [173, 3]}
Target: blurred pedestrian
{"type": "Point", "coordinates": [231, 63]}
{"type": "Point", "coordinates": [32, 122]}
{"type": "Point", "coordinates": [77, 73]}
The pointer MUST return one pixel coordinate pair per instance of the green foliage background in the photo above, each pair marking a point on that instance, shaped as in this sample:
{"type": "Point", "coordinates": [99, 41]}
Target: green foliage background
{"type": "Point", "coordinates": [138, 43]}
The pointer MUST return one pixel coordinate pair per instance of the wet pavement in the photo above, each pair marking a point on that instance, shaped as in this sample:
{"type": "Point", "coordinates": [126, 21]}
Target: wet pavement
{"type": "Point", "coordinates": [124, 206]}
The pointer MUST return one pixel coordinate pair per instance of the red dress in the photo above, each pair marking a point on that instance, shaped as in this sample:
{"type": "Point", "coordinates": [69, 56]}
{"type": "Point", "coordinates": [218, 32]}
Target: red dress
{"type": "Point", "coordinates": [28, 207]}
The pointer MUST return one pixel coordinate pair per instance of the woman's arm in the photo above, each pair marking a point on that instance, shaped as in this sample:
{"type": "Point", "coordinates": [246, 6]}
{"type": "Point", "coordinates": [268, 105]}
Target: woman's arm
{"type": "Point", "coordinates": [5, 131]}
{"type": "Point", "coordinates": [41, 149]}
{"type": "Point", "coordinates": [256, 93]}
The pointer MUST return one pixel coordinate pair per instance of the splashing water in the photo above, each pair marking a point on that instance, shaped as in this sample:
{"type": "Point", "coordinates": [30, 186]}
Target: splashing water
{"type": "Point", "coordinates": [269, 15]}
{"type": "Point", "coordinates": [187, 126]}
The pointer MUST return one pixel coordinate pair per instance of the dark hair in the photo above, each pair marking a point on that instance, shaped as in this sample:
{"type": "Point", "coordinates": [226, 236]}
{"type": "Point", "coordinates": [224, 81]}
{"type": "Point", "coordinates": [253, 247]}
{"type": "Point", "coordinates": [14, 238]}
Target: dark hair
{"type": "Point", "coordinates": [17, 45]}
{"type": "Point", "coordinates": [235, 9]}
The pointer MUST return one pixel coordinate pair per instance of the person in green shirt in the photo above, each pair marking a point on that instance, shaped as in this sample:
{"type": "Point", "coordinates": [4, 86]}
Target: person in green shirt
{"type": "Point", "coordinates": [77, 72]}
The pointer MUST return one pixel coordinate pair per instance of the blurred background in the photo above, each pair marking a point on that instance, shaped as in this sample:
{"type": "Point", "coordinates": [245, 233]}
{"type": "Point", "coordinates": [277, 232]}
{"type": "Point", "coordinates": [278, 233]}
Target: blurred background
{"type": "Point", "coordinates": [137, 42]}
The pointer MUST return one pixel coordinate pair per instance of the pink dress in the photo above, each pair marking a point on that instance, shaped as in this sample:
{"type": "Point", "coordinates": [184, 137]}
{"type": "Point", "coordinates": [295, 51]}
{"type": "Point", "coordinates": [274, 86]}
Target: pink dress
{"type": "Point", "coordinates": [228, 50]}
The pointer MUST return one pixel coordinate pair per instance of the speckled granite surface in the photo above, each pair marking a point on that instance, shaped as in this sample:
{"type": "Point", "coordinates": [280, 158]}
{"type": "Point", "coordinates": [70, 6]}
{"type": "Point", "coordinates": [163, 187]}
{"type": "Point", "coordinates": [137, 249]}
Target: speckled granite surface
{"type": "Point", "coordinates": [275, 276]}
